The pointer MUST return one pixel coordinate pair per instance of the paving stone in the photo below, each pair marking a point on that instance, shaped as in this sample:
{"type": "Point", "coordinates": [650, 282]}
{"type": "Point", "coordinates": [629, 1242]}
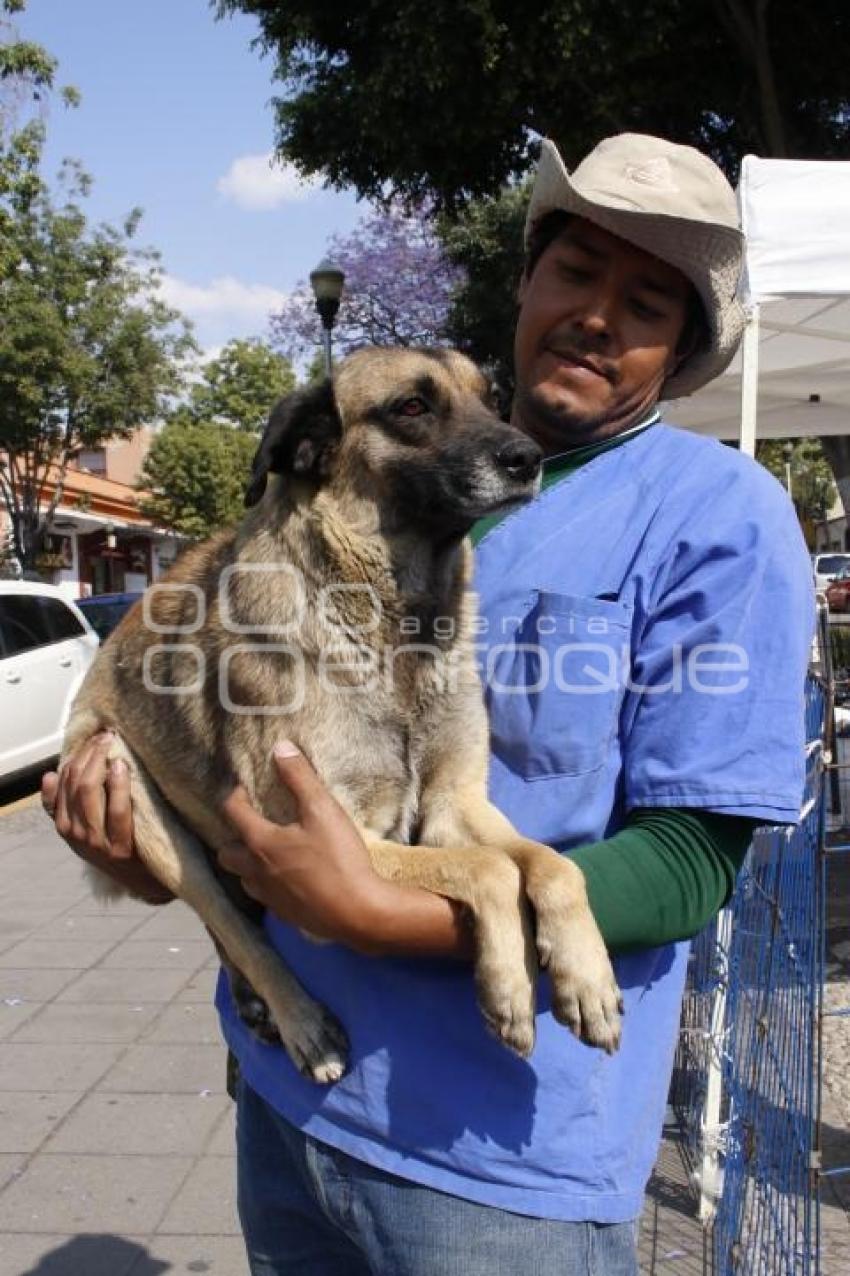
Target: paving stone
{"type": "Point", "coordinates": [186, 1022]}
{"type": "Point", "coordinates": [51, 894]}
{"type": "Point", "coordinates": [127, 987]}
{"type": "Point", "coordinates": [24, 1254]}
{"type": "Point", "coordinates": [671, 1240]}
{"type": "Point", "coordinates": [14, 1012]}
{"type": "Point", "coordinates": [65, 1022]}
{"type": "Point", "coordinates": [9, 1167]}
{"type": "Point", "coordinates": [172, 921]}
{"type": "Point", "coordinates": [223, 1141]}
{"type": "Point", "coordinates": [13, 839]}
{"type": "Point", "coordinates": [56, 954]}
{"type": "Point", "coordinates": [27, 1118]}
{"type": "Point", "coordinates": [89, 905]}
{"type": "Point", "coordinates": [27, 1066]}
{"type": "Point", "coordinates": [39, 856]}
{"type": "Point", "coordinates": [152, 1069]}
{"type": "Point", "coordinates": [140, 1124]}
{"type": "Point", "coordinates": [105, 926]}
{"type": "Point", "coordinates": [30, 877]}
{"type": "Point", "coordinates": [183, 954]}
{"type": "Point", "coordinates": [17, 923]}
{"type": "Point", "coordinates": [206, 1204]}
{"type": "Point", "coordinates": [73, 1194]}
{"type": "Point", "coordinates": [201, 987]}
{"type": "Point", "coordinates": [195, 1256]}
{"type": "Point", "coordinates": [34, 985]}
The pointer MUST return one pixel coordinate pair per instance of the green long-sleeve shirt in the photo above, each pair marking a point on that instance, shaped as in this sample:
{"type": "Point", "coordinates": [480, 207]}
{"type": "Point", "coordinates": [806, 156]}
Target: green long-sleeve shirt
{"type": "Point", "coordinates": [668, 871]}
{"type": "Point", "coordinates": [664, 875]}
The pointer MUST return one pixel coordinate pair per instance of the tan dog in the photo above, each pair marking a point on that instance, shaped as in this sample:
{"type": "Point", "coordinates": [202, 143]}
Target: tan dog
{"type": "Point", "coordinates": [339, 614]}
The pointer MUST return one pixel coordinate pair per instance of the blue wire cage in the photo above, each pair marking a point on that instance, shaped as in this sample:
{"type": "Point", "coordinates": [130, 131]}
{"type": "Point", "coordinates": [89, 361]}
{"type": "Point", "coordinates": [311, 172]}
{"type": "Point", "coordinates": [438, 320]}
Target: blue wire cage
{"type": "Point", "coordinates": [746, 1083]}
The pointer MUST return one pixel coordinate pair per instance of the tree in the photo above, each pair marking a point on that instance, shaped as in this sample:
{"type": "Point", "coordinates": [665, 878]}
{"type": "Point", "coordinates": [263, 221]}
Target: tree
{"type": "Point", "coordinates": [485, 242]}
{"type": "Point", "coordinates": [241, 385]}
{"type": "Point", "coordinates": [196, 470]}
{"type": "Point", "coordinates": [88, 351]}
{"type": "Point", "coordinates": [26, 72]}
{"type": "Point", "coordinates": [398, 287]}
{"type": "Point", "coordinates": [445, 100]}
{"type": "Point", "coordinates": [812, 484]}
{"type": "Point", "coordinates": [195, 473]}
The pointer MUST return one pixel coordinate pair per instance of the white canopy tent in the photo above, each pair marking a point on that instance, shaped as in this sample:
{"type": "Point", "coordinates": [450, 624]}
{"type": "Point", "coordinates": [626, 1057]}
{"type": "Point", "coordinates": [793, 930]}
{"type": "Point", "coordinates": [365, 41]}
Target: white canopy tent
{"type": "Point", "coordinates": [791, 377]}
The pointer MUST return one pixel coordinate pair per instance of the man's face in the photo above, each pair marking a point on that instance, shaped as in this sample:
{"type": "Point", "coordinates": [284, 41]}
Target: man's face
{"type": "Point", "coordinates": [596, 337]}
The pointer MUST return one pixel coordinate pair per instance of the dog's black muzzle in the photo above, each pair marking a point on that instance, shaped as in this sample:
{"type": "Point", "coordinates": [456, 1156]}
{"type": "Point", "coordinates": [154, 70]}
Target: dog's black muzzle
{"type": "Point", "coordinates": [520, 459]}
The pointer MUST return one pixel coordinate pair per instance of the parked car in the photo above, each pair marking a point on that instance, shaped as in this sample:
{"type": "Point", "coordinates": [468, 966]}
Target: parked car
{"type": "Point", "coordinates": [46, 646]}
{"type": "Point", "coordinates": [103, 611]}
{"type": "Point", "coordinates": [827, 566]}
{"type": "Point", "coordinates": [838, 592]}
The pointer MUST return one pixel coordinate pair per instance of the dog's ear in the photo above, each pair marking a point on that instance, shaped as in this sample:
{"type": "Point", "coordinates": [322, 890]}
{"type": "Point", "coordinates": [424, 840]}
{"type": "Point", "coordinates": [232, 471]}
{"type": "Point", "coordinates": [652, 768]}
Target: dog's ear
{"type": "Point", "coordinates": [299, 439]}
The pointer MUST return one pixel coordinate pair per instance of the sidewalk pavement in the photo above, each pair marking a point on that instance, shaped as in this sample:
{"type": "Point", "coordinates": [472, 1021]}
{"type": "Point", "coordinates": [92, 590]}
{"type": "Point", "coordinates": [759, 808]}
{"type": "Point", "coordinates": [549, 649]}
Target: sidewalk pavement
{"type": "Point", "coordinates": [116, 1135]}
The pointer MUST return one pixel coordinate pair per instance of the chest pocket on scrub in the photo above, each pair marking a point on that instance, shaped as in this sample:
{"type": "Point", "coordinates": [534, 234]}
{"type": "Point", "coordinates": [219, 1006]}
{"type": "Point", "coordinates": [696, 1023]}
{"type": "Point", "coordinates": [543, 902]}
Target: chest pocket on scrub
{"type": "Point", "coordinates": [555, 686]}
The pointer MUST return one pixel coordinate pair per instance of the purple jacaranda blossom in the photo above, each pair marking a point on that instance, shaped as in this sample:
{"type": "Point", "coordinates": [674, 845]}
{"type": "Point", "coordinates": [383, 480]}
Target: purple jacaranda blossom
{"type": "Point", "coordinates": [398, 289]}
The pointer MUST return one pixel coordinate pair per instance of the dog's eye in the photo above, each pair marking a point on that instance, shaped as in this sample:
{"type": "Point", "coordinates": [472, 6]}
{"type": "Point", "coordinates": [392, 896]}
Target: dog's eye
{"type": "Point", "coordinates": [413, 407]}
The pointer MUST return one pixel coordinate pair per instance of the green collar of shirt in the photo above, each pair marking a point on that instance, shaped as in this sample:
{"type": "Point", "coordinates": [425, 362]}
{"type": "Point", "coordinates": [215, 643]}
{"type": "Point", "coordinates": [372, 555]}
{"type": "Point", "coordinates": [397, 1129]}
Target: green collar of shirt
{"type": "Point", "coordinates": [556, 468]}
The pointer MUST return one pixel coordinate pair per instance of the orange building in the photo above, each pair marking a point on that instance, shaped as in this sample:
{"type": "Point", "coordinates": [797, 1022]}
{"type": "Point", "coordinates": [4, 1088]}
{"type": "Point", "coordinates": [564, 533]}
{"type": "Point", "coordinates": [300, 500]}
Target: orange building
{"type": "Point", "coordinates": [98, 540]}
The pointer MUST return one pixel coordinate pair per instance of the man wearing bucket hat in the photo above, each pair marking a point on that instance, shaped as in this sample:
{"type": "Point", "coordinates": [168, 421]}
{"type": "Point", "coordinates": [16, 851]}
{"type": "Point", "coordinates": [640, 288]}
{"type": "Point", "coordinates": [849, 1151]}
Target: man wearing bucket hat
{"type": "Point", "coordinates": [661, 582]}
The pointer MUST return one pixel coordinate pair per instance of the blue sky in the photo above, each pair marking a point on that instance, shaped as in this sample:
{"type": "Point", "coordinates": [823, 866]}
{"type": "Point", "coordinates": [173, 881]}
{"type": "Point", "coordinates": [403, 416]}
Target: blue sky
{"type": "Point", "coordinates": [176, 118]}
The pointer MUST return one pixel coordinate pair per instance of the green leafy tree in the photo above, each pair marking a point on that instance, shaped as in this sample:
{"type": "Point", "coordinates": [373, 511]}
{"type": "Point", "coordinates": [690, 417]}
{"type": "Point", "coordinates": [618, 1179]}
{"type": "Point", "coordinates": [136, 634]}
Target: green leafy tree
{"type": "Point", "coordinates": [241, 385]}
{"type": "Point", "coordinates": [469, 84]}
{"type": "Point", "coordinates": [803, 461]}
{"type": "Point", "coordinates": [197, 468]}
{"type": "Point", "coordinates": [88, 351]}
{"type": "Point", "coordinates": [485, 240]}
{"type": "Point", "coordinates": [26, 72]}
{"type": "Point", "coordinates": [195, 475]}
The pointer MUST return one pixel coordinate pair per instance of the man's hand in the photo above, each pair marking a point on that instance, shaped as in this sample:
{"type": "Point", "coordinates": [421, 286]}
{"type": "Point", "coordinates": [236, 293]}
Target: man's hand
{"type": "Point", "coordinates": [89, 801]}
{"type": "Point", "coordinates": [314, 873]}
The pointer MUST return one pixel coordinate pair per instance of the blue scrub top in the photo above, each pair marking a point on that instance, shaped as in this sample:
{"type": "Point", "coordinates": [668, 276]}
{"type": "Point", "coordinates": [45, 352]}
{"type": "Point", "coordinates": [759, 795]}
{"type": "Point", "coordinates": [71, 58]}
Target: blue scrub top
{"type": "Point", "coordinates": [644, 635]}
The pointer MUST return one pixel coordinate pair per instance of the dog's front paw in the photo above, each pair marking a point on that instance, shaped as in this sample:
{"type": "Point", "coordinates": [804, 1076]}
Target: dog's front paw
{"type": "Point", "coordinates": [585, 996]}
{"type": "Point", "coordinates": [506, 963]}
{"type": "Point", "coordinates": [506, 1000]}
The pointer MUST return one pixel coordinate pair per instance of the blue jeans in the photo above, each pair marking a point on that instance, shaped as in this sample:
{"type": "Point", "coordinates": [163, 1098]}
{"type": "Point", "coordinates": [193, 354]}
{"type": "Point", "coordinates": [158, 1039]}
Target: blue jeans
{"type": "Point", "coordinates": [309, 1210]}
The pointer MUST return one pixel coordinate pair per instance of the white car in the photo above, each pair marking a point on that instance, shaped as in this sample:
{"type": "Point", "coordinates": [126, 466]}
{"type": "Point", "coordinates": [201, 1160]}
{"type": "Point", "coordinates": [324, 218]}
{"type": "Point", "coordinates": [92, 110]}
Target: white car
{"type": "Point", "coordinates": [827, 566]}
{"type": "Point", "coordinates": [46, 646]}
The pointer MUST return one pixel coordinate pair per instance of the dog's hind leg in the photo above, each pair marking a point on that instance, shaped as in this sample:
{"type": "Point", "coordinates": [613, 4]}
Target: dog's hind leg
{"type": "Point", "coordinates": [491, 887]}
{"type": "Point", "coordinates": [310, 1035]}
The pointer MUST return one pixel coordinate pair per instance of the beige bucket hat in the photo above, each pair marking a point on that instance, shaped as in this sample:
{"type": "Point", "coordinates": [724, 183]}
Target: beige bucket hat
{"type": "Point", "coordinates": [673, 202]}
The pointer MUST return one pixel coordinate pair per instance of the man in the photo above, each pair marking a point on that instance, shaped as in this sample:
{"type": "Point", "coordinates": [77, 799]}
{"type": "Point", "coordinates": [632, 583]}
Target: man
{"type": "Point", "coordinates": [647, 621]}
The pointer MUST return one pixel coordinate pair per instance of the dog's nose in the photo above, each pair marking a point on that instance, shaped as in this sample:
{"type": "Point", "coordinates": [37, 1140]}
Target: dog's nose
{"type": "Point", "coordinates": [521, 459]}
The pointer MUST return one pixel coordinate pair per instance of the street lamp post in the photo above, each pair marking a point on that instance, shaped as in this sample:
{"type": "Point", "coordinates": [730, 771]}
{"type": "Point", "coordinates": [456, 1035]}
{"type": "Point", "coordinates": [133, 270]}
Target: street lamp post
{"type": "Point", "coordinates": [327, 281]}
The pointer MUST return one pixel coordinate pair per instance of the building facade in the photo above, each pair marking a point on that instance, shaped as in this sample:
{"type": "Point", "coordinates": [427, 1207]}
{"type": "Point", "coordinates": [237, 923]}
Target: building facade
{"type": "Point", "coordinates": [98, 540]}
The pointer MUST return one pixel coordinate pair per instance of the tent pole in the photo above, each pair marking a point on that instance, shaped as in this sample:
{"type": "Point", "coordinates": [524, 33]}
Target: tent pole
{"type": "Point", "coordinates": [750, 381]}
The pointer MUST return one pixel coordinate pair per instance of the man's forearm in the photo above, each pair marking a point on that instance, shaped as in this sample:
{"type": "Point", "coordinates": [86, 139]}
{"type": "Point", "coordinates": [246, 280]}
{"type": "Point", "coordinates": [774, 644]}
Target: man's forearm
{"type": "Point", "coordinates": [406, 921]}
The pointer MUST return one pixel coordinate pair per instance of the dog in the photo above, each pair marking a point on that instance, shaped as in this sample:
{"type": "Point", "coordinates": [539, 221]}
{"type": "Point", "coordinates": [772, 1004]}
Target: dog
{"type": "Point", "coordinates": [353, 547]}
